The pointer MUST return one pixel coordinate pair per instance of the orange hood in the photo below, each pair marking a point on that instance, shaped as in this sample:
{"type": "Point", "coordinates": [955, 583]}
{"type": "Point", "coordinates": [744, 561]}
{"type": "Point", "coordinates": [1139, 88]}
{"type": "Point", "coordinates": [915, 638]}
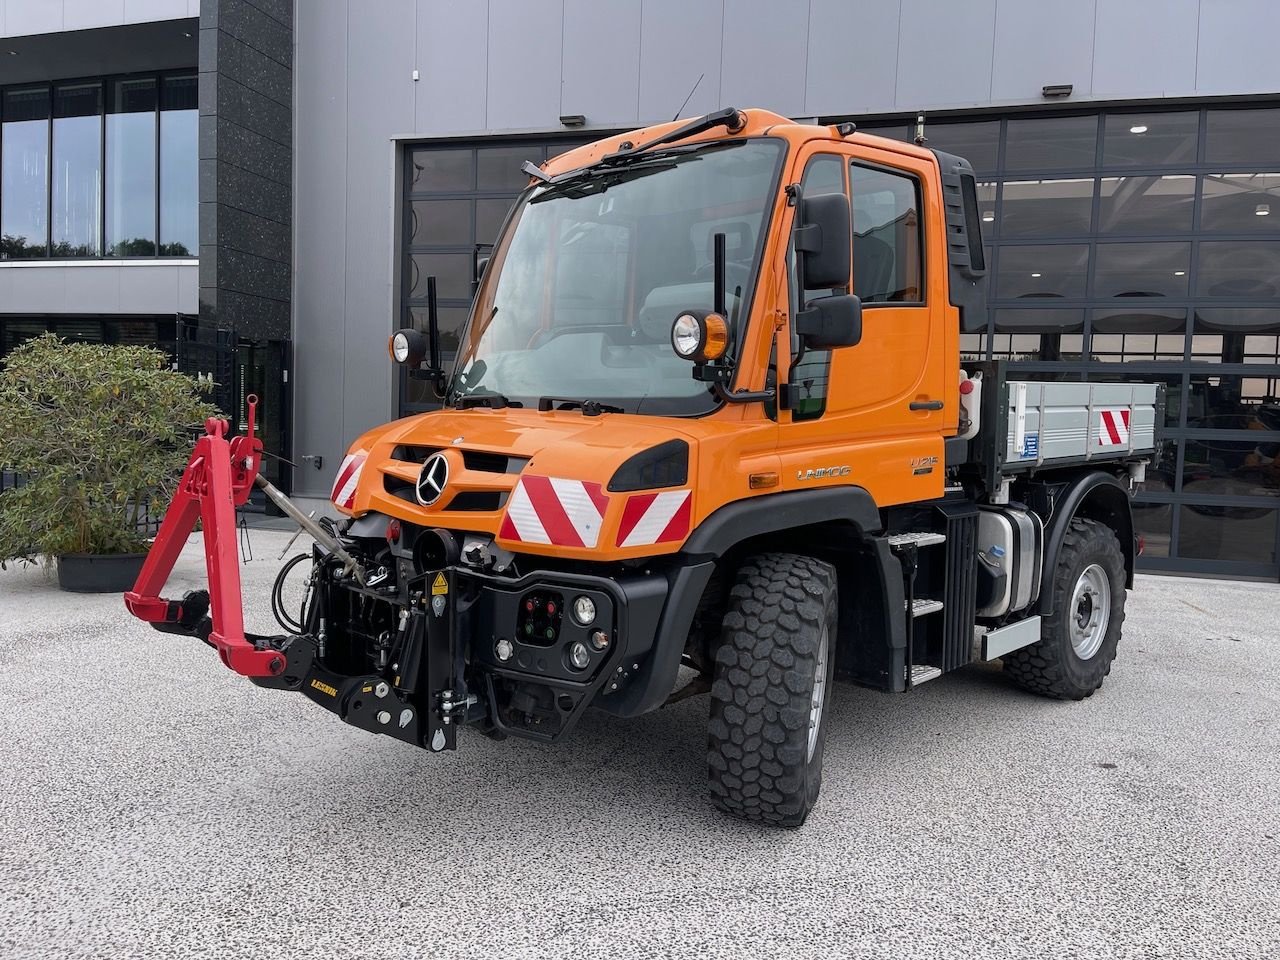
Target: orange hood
{"type": "Point", "coordinates": [539, 482]}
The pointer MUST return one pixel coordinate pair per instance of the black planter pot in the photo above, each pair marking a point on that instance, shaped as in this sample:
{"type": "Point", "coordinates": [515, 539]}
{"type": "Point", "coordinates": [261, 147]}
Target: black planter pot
{"type": "Point", "coordinates": [99, 573]}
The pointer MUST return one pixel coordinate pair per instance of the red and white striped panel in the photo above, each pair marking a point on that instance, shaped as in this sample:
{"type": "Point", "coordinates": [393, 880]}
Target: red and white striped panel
{"type": "Point", "coordinates": [551, 510]}
{"type": "Point", "coordinates": [655, 518]}
{"type": "Point", "coordinates": [1113, 428]}
{"type": "Point", "coordinates": [344, 486]}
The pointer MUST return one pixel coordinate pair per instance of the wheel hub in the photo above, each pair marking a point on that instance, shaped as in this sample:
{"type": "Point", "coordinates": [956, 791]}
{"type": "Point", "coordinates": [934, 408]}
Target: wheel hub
{"type": "Point", "coordinates": [1090, 611]}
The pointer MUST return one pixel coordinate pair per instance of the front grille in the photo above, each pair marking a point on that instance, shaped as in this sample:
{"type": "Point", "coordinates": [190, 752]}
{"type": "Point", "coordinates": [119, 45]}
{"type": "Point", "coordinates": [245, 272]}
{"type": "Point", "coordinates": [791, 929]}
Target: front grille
{"type": "Point", "coordinates": [399, 488]}
{"type": "Point", "coordinates": [478, 501]}
{"type": "Point", "coordinates": [410, 454]}
{"type": "Point", "coordinates": [482, 462]}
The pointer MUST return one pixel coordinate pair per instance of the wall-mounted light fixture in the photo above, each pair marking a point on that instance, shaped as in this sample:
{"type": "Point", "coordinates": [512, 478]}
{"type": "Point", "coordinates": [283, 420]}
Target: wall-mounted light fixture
{"type": "Point", "coordinates": [573, 120]}
{"type": "Point", "coordinates": [1262, 210]}
{"type": "Point", "coordinates": [1056, 90]}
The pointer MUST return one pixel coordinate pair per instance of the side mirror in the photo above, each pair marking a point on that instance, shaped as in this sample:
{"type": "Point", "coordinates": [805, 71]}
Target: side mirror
{"type": "Point", "coordinates": [822, 240]}
{"type": "Point", "coordinates": [831, 322]}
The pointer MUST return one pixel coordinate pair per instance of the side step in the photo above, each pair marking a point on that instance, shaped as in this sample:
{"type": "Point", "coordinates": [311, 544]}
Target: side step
{"type": "Point", "coordinates": [922, 607]}
{"type": "Point", "coordinates": [915, 538]}
{"type": "Point", "coordinates": [922, 673]}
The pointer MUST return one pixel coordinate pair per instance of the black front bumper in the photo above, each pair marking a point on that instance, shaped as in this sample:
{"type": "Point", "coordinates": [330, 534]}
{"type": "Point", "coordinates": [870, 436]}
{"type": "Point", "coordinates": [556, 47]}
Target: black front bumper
{"type": "Point", "coordinates": [449, 672]}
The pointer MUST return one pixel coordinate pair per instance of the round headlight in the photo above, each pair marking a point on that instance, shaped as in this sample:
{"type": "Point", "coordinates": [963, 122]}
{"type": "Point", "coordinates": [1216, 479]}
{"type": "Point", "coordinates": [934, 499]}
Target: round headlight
{"type": "Point", "coordinates": [699, 336]}
{"type": "Point", "coordinates": [407, 346]}
{"type": "Point", "coordinates": [400, 347]}
{"type": "Point", "coordinates": [584, 610]}
{"type": "Point", "coordinates": [578, 655]}
{"type": "Point", "coordinates": [686, 335]}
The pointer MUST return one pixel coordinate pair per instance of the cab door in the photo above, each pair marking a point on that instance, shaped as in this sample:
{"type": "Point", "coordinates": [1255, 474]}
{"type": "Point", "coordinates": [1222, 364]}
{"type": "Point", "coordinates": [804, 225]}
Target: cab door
{"type": "Point", "coordinates": [877, 407]}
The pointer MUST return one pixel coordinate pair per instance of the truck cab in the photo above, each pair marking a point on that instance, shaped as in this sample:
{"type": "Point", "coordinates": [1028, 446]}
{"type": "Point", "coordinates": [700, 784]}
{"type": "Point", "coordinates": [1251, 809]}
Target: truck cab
{"type": "Point", "coordinates": [708, 413]}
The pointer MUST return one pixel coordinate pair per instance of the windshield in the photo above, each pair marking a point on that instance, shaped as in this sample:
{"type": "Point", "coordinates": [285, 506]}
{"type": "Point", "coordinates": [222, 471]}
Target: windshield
{"type": "Point", "coordinates": [581, 293]}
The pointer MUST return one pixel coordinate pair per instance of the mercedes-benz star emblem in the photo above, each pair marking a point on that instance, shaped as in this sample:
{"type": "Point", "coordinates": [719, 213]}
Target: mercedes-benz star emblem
{"type": "Point", "coordinates": [432, 480]}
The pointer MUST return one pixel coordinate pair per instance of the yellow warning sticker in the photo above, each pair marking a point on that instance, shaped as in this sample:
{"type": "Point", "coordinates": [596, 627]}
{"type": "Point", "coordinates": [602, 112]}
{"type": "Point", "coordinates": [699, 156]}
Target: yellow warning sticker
{"type": "Point", "coordinates": [440, 586]}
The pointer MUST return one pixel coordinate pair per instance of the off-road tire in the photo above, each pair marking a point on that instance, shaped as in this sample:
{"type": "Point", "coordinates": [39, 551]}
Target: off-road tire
{"type": "Point", "coordinates": [765, 670]}
{"type": "Point", "coordinates": [1051, 666]}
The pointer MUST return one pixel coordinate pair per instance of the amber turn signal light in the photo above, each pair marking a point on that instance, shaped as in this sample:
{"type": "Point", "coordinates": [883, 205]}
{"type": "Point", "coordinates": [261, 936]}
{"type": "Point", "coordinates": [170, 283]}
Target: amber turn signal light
{"type": "Point", "coordinates": [700, 336]}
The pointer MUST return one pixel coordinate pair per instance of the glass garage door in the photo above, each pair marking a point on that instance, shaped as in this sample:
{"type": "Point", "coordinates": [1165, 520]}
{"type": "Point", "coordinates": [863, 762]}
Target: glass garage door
{"type": "Point", "coordinates": [1136, 244]}
{"type": "Point", "coordinates": [457, 195]}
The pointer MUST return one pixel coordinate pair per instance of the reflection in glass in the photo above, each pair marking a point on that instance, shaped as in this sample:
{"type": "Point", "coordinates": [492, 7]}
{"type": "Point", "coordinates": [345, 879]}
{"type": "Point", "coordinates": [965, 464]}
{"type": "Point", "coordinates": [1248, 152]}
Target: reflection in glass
{"type": "Point", "coordinates": [489, 217]}
{"type": "Point", "coordinates": [973, 346]}
{"type": "Point", "coordinates": [888, 251]}
{"type": "Point", "coordinates": [1236, 335]}
{"type": "Point", "coordinates": [131, 169]}
{"type": "Point", "coordinates": [24, 173]}
{"type": "Point", "coordinates": [1142, 270]}
{"type": "Point", "coordinates": [1051, 143]}
{"type": "Point", "coordinates": [440, 222]}
{"type": "Point", "coordinates": [1241, 203]}
{"type": "Point", "coordinates": [434, 170]}
{"type": "Point", "coordinates": [1141, 332]}
{"type": "Point", "coordinates": [1242, 136]}
{"type": "Point", "coordinates": [77, 169]}
{"type": "Point", "coordinates": [1152, 522]}
{"type": "Point", "coordinates": [451, 270]}
{"type": "Point", "coordinates": [1146, 205]}
{"type": "Point", "coordinates": [1057, 270]}
{"type": "Point", "coordinates": [1039, 334]}
{"type": "Point", "coordinates": [1215, 532]}
{"type": "Point", "coordinates": [979, 143]}
{"type": "Point", "coordinates": [179, 168]}
{"type": "Point", "coordinates": [1244, 269]}
{"type": "Point", "coordinates": [1149, 139]}
{"type": "Point", "coordinates": [498, 168]}
{"type": "Point", "coordinates": [1233, 402]}
{"type": "Point", "coordinates": [1042, 208]}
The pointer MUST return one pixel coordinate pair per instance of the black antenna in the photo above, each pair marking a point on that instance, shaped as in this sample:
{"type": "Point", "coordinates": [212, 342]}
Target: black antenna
{"type": "Point", "coordinates": [718, 265]}
{"type": "Point", "coordinates": [688, 98]}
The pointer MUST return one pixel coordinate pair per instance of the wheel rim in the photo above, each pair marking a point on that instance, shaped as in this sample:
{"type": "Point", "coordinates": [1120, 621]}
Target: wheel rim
{"type": "Point", "coordinates": [1090, 611]}
{"type": "Point", "coordinates": [819, 693]}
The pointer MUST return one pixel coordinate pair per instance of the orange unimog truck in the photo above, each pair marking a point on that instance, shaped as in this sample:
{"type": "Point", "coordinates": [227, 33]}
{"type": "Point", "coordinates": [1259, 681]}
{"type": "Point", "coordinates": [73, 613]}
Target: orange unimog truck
{"type": "Point", "coordinates": [708, 429]}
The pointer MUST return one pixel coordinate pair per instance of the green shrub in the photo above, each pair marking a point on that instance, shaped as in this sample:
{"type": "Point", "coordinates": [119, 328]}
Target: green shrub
{"type": "Point", "coordinates": [97, 430]}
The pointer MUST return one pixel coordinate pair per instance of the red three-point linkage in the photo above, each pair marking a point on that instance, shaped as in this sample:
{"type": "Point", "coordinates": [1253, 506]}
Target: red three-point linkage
{"type": "Point", "coordinates": [217, 479]}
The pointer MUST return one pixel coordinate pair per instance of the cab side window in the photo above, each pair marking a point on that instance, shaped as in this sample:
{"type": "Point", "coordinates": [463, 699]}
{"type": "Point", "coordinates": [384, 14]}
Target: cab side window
{"type": "Point", "coordinates": [888, 245]}
{"type": "Point", "coordinates": [823, 175]}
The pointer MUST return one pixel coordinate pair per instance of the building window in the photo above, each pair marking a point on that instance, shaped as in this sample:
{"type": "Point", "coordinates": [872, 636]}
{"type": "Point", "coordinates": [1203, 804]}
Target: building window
{"type": "Point", "coordinates": [179, 168]}
{"type": "Point", "coordinates": [24, 184]}
{"type": "Point", "coordinates": [77, 170]}
{"type": "Point", "coordinates": [100, 168]}
{"type": "Point", "coordinates": [131, 169]}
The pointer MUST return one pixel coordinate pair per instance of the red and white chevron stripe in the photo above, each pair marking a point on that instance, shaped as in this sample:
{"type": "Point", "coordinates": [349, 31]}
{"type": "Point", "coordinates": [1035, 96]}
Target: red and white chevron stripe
{"type": "Point", "coordinates": [344, 486]}
{"type": "Point", "coordinates": [555, 511]}
{"type": "Point", "coordinates": [655, 518]}
{"type": "Point", "coordinates": [1113, 428]}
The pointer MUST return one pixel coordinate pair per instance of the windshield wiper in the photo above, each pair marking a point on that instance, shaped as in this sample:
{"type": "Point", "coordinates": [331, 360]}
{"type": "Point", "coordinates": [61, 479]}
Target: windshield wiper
{"type": "Point", "coordinates": [590, 408]}
{"type": "Point", "coordinates": [494, 401]}
{"type": "Point", "coordinates": [730, 118]}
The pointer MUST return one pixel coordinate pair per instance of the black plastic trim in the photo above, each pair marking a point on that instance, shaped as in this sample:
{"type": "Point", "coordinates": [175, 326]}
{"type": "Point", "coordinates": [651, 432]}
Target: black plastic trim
{"type": "Point", "coordinates": [967, 271]}
{"type": "Point", "coordinates": [744, 519]}
{"type": "Point", "coordinates": [666, 465]}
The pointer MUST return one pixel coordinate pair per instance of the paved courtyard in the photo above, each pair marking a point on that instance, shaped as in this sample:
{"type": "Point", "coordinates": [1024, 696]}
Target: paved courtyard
{"type": "Point", "coordinates": [154, 804]}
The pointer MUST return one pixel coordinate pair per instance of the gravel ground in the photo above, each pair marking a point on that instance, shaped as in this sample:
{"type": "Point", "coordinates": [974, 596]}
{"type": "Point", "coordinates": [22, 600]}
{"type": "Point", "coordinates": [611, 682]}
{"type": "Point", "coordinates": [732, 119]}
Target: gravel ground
{"type": "Point", "coordinates": [154, 804]}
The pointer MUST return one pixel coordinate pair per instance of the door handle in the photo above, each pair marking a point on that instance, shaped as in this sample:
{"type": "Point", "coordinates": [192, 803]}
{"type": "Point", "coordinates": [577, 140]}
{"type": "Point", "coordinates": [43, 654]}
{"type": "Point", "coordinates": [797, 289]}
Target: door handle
{"type": "Point", "coordinates": [926, 404]}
